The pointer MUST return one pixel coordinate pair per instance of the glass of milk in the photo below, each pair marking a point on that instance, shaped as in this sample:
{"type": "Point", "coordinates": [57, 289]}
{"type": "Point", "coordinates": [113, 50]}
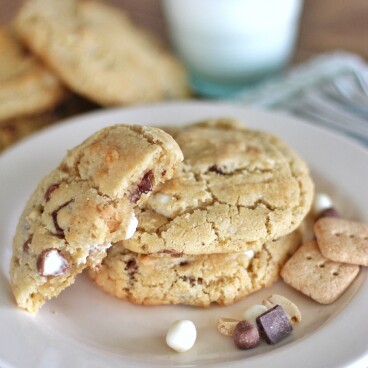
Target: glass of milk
{"type": "Point", "coordinates": [228, 45]}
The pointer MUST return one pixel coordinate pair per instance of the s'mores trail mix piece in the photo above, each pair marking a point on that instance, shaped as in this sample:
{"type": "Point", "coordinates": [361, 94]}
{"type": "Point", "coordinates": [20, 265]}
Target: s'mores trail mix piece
{"type": "Point", "coordinates": [314, 275]}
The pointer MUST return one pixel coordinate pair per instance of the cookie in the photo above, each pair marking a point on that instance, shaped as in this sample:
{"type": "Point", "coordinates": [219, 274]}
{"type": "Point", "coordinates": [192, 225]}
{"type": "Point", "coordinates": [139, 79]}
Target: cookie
{"type": "Point", "coordinates": [191, 279]}
{"type": "Point", "coordinates": [26, 86]}
{"type": "Point", "coordinates": [84, 205]}
{"type": "Point", "coordinates": [342, 240]}
{"type": "Point", "coordinates": [236, 189]}
{"type": "Point", "coordinates": [317, 277]}
{"type": "Point", "coordinates": [99, 53]}
{"type": "Point", "coordinates": [13, 130]}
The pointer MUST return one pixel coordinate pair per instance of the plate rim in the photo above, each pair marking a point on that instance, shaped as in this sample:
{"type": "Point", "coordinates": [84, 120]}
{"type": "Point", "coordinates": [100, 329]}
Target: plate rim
{"type": "Point", "coordinates": [100, 114]}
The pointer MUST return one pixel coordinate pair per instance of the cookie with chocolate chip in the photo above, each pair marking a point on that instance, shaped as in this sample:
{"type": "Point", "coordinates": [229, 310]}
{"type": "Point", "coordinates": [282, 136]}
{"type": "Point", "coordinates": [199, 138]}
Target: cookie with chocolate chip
{"type": "Point", "coordinates": [236, 189]}
{"type": "Point", "coordinates": [85, 204]}
{"type": "Point", "coordinates": [99, 53]}
{"type": "Point", "coordinates": [26, 86]}
{"type": "Point", "coordinates": [191, 279]}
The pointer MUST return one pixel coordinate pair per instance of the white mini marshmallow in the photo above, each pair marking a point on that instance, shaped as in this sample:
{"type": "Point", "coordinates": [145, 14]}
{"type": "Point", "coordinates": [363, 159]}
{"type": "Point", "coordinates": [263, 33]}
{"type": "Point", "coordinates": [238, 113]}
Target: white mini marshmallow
{"type": "Point", "coordinates": [54, 264]}
{"type": "Point", "coordinates": [253, 312]}
{"type": "Point", "coordinates": [249, 253]}
{"type": "Point", "coordinates": [94, 248]}
{"type": "Point", "coordinates": [132, 226]}
{"type": "Point", "coordinates": [181, 335]}
{"type": "Point", "coordinates": [321, 202]}
{"type": "Point", "coordinates": [162, 198]}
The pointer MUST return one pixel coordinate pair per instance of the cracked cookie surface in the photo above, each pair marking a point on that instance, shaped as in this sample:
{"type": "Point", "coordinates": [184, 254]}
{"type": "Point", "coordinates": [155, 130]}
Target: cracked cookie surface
{"type": "Point", "coordinates": [192, 279]}
{"type": "Point", "coordinates": [99, 53]}
{"type": "Point", "coordinates": [26, 86]}
{"type": "Point", "coordinates": [84, 205]}
{"type": "Point", "coordinates": [235, 190]}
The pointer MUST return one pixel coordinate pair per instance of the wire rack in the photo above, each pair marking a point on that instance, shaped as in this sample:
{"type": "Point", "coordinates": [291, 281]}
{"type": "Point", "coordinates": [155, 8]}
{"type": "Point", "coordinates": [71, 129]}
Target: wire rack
{"type": "Point", "coordinates": [330, 90]}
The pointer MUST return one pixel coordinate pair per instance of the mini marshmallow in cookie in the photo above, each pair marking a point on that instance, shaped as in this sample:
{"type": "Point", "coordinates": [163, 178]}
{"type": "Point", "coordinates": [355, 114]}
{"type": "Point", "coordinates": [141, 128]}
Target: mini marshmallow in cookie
{"type": "Point", "coordinates": [132, 226]}
{"type": "Point", "coordinates": [51, 263]}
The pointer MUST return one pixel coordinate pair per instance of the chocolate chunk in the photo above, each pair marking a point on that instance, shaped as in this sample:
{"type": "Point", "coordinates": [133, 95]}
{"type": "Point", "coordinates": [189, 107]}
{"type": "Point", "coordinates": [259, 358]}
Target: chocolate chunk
{"type": "Point", "coordinates": [274, 325]}
{"type": "Point", "coordinates": [328, 212]}
{"type": "Point", "coordinates": [253, 149]}
{"type": "Point", "coordinates": [172, 253]}
{"type": "Point", "coordinates": [216, 169]}
{"type": "Point", "coordinates": [246, 335]}
{"type": "Point", "coordinates": [52, 263]}
{"type": "Point", "coordinates": [131, 267]}
{"type": "Point", "coordinates": [144, 187]}
{"type": "Point", "coordinates": [49, 191]}
{"type": "Point", "coordinates": [27, 243]}
{"type": "Point", "coordinates": [190, 279]}
{"type": "Point", "coordinates": [54, 214]}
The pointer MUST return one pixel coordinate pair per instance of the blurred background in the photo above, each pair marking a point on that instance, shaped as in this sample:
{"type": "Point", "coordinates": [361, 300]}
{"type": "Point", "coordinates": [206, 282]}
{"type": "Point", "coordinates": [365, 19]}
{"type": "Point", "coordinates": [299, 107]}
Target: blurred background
{"type": "Point", "coordinates": [330, 90]}
{"type": "Point", "coordinates": [325, 24]}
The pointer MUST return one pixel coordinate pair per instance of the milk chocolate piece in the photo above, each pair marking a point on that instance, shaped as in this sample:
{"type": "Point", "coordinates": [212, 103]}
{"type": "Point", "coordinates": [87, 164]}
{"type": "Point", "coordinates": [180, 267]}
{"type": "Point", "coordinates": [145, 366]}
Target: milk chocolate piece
{"type": "Point", "coordinates": [51, 263]}
{"type": "Point", "coordinates": [328, 212]}
{"type": "Point", "coordinates": [54, 215]}
{"type": "Point", "coordinates": [274, 325]}
{"type": "Point", "coordinates": [216, 169]}
{"type": "Point", "coordinates": [246, 335]}
{"type": "Point", "coordinates": [145, 186]}
{"type": "Point", "coordinates": [50, 190]}
{"type": "Point", "coordinates": [27, 243]}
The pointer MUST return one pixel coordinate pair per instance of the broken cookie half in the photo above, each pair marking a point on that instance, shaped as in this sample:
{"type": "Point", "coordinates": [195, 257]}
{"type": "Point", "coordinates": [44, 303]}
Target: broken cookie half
{"type": "Point", "coordinates": [84, 205]}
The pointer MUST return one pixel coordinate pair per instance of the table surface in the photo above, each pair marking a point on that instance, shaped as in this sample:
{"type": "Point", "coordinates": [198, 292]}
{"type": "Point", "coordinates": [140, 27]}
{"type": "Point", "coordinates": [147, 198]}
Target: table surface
{"type": "Point", "coordinates": [326, 25]}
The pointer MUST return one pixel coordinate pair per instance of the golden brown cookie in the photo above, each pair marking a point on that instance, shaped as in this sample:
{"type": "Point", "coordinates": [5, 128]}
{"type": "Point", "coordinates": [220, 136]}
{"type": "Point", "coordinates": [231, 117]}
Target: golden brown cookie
{"type": "Point", "coordinates": [99, 53]}
{"type": "Point", "coordinates": [84, 205]}
{"type": "Point", "coordinates": [236, 189]}
{"type": "Point", "coordinates": [13, 130]}
{"type": "Point", "coordinates": [26, 86]}
{"type": "Point", "coordinates": [191, 279]}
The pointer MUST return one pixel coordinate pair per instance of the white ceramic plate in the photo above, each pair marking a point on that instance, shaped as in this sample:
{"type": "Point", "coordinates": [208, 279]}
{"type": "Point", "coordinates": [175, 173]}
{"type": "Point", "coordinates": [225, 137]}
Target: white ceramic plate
{"type": "Point", "coordinates": [84, 327]}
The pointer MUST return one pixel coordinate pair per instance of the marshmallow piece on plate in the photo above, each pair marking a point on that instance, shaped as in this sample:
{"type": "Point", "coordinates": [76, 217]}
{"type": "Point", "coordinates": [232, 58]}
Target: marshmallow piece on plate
{"type": "Point", "coordinates": [253, 312]}
{"type": "Point", "coordinates": [181, 335]}
{"type": "Point", "coordinates": [321, 202]}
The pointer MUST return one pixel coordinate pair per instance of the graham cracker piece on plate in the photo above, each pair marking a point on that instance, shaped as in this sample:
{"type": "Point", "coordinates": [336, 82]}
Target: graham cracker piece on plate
{"type": "Point", "coordinates": [317, 277]}
{"type": "Point", "coordinates": [343, 240]}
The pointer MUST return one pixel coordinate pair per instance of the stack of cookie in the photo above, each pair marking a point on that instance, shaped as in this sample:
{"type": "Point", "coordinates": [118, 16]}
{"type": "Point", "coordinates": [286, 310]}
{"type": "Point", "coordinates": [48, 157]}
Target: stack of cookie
{"type": "Point", "coordinates": [78, 48]}
{"type": "Point", "coordinates": [155, 229]}
{"type": "Point", "coordinates": [221, 228]}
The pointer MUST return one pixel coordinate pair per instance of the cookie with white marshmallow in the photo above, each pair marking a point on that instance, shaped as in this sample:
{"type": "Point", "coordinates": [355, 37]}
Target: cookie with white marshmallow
{"type": "Point", "coordinates": [84, 205]}
{"type": "Point", "coordinates": [236, 190]}
{"type": "Point", "coordinates": [197, 280]}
